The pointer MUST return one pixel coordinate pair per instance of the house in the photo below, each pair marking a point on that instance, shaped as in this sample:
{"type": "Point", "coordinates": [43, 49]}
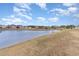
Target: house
{"type": "Point", "coordinates": [0, 26]}
{"type": "Point", "coordinates": [77, 27]}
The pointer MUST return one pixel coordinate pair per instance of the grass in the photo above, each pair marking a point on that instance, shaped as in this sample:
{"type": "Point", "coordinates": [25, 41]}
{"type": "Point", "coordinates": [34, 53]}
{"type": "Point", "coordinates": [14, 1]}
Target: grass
{"type": "Point", "coordinates": [62, 43]}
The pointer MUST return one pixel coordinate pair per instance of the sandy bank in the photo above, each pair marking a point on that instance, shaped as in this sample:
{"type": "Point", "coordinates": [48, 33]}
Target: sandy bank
{"type": "Point", "coordinates": [65, 42]}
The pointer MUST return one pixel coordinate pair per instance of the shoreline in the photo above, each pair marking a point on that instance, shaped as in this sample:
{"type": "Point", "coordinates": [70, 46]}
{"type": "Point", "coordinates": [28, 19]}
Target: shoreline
{"type": "Point", "coordinates": [39, 36]}
{"type": "Point", "coordinates": [62, 43]}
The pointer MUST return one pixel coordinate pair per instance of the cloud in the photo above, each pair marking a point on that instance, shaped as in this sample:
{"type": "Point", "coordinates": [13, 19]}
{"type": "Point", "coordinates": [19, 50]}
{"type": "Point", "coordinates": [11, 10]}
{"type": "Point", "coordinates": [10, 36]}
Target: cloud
{"type": "Point", "coordinates": [42, 5]}
{"type": "Point", "coordinates": [72, 9]}
{"type": "Point", "coordinates": [10, 21]}
{"type": "Point", "coordinates": [17, 20]}
{"type": "Point", "coordinates": [13, 20]}
{"type": "Point", "coordinates": [17, 10]}
{"type": "Point", "coordinates": [76, 16]}
{"type": "Point", "coordinates": [27, 17]}
{"type": "Point", "coordinates": [54, 19]}
{"type": "Point", "coordinates": [23, 5]}
{"type": "Point", "coordinates": [64, 12]}
{"type": "Point", "coordinates": [22, 13]}
{"type": "Point", "coordinates": [40, 19]}
{"type": "Point", "coordinates": [69, 4]}
{"type": "Point", "coordinates": [59, 11]}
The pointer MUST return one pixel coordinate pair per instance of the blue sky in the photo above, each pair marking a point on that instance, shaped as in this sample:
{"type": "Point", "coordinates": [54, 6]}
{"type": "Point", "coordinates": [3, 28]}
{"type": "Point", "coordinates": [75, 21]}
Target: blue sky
{"type": "Point", "coordinates": [39, 14]}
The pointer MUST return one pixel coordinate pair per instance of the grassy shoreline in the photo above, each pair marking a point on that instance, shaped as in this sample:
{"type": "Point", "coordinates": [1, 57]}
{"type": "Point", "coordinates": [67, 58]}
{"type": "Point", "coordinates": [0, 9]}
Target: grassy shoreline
{"type": "Point", "coordinates": [34, 38]}
{"type": "Point", "coordinates": [64, 43]}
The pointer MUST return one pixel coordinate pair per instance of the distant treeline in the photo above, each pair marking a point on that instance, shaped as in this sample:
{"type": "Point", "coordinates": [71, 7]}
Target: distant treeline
{"type": "Point", "coordinates": [65, 26]}
{"type": "Point", "coordinates": [32, 27]}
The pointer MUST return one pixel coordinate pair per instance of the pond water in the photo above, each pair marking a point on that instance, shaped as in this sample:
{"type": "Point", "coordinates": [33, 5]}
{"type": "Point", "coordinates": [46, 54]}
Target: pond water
{"type": "Point", "coordinates": [8, 38]}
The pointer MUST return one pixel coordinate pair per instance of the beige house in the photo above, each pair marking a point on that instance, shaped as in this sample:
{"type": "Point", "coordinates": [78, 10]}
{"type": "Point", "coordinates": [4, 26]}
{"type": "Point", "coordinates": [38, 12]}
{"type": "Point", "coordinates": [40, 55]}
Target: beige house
{"type": "Point", "coordinates": [3, 26]}
{"type": "Point", "coordinates": [77, 27]}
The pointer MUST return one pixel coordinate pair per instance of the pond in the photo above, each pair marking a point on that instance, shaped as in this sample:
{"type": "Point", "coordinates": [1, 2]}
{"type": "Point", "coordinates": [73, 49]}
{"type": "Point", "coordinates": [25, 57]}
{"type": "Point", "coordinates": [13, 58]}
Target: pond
{"type": "Point", "coordinates": [8, 38]}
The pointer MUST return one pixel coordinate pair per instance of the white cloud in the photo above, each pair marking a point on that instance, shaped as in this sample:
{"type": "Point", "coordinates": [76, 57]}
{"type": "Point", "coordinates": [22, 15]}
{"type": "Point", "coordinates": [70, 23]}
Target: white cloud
{"type": "Point", "coordinates": [42, 5]}
{"type": "Point", "coordinates": [41, 19]}
{"type": "Point", "coordinates": [59, 11]}
{"type": "Point", "coordinates": [76, 16]}
{"type": "Point", "coordinates": [17, 10]}
{"type": "Point", "coordinates": [68, 4]}
{"type": "Point", "coordinates": [20, 16]}
{"type": "Point", "coordinates": [10, 21]}
{"type": "Point", "coordinates": [55, 19]}
{"type": "Point", "coordinates": [22, 13]}
{"type": "Point", "coordinates": [12, 16]}
{"type": "Point", "coordinates": [17, 20]}
{"type": "Point", "coordinates": [27, 17]}
{"type": "Point", "coordinates": [65, 12]}
{"type": "Point", "coordinates": [72, 9]}
{"type": "Point", "coordinates": [24, 5]}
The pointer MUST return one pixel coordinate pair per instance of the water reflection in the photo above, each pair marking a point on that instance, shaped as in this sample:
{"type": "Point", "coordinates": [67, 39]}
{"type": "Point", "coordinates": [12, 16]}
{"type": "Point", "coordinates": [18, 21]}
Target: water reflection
{"type": "Point", "coordinates": [8, 38]}
{"type": "Point", "coordinates": [0, 31]}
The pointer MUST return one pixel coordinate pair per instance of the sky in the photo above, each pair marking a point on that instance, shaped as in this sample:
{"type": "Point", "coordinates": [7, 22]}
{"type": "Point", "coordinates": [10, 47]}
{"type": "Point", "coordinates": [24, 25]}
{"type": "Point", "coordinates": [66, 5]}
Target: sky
{"type": "Point", "coordinates": [46, 14]}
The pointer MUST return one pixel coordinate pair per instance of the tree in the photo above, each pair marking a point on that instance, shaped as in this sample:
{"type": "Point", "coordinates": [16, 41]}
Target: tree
{"type": "Point", "coordinates": [63, 26]}
{"type": "Point", "coordinates": [70, 26]}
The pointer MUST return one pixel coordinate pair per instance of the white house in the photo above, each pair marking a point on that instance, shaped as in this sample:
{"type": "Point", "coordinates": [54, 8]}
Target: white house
{"type": "Point", "coordinates": [77, 27]}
